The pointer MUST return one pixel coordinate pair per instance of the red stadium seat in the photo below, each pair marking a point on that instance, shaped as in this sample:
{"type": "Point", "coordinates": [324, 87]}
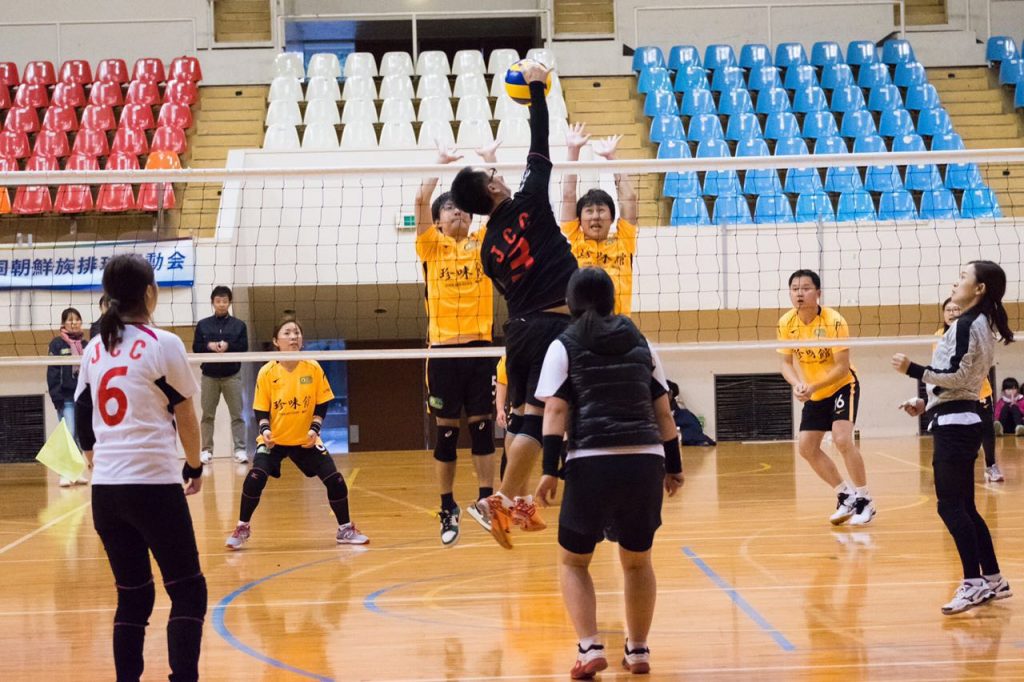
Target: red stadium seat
{"type": "Point", "coordinates": [22, 120]}
{"type": "Point", "coordinates": [90, 142]}
{"type": "Point", "coordinates": [149, 193]}
{"type": "Point", "coordinates": [68, 95]}
{"type": "Point", "coordinates": [169, 139]}
{"type": "Point", "coordinates": [117, 198]}
{"type": "Point", "coordinates": [177, 115]}
{"type": "Point", "coordinates": [142, 92]}
{"type": "Point", "coordinates": [76, 72]}
{"type": "Point", "coordinates": [112, 71]}
{"type": "Point", "coordinates": [149, 69]}
{"type": "Point", "coordinates": [107, 93]}
{"type": "Point", "coordinates": [76, 198]}
{"type": "Point", "coordinates": [51, 143]}
{"type": "Point", "coordinates": [130, 140]}
{"type": "Point", "coordinates": [187, 69]}
{"type": "Point", "coordinates": [39, 73]}
{"type": "Point", "coordinates": [181, 92]}
{"type": "Point", "coordinates": [31, 95]}
{"type": "Point", "coordinates": [5, 201]}
{"type": "Point", "coordinates": [9, 74]}
{"type": "Point", "coordinates": [137, 116]}
{"type": "Point", "coordinates": [98, 117]}
{"type": "Point", "coordinates": [5, 97]}
{"type": "Point", "coordinates": [14, 144]}
{"type": "Point", "coordinates": [63, 119]}
{"type": "Point", "coordinates": [7, 165]}
{"type": "Point", "coordinates": [35, 199]}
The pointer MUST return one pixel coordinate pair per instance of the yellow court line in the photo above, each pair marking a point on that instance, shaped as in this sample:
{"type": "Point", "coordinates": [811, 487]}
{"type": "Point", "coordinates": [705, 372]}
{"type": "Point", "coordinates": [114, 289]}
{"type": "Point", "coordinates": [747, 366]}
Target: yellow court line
{"type": "Point", "coordinates": [351, 478]}
{"type": "Point", "coordinates": [429, 512]}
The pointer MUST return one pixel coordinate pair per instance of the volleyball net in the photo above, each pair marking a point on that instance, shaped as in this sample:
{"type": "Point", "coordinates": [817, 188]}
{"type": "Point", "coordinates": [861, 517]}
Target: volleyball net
{"type": "Point", "coordinates": [335, 244]}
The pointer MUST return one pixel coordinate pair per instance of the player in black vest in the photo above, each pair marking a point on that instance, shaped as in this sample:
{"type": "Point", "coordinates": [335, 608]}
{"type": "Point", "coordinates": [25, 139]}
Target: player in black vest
{"type": "Point", "coordinates": [604, 386]}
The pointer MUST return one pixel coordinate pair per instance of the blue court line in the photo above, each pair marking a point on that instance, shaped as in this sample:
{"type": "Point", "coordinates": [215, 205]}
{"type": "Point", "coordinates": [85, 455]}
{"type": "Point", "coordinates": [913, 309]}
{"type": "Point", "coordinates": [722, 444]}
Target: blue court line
{"type": "Point", "coordinates": [744, 605]}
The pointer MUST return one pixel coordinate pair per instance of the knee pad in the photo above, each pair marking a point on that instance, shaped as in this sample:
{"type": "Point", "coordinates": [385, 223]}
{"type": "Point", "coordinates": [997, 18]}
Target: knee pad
{"type": "Point", "coordinates": [188, 597]}
{"type": "Point", "coordinates": [533, 427]}
{"type": "Point", "coordinates": [255, 482]}
{"type": "Point", "coordinates": [515, 423]}
{"type": "Point", "coordinates": [481, 434]}
{"type": "Point", "coordinates": [336, 487]}
{"type": "Point", "coordinates": [447, 440]}
{"type": "Point", "coordinates": [135, 604]}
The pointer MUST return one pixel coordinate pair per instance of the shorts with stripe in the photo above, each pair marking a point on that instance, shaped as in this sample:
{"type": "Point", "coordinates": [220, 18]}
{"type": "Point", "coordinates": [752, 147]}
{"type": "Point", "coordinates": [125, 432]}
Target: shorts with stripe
{"type": "Point", "coordinates": [454, 384]}
{"type": "Point", "coordinates": [818, 415]}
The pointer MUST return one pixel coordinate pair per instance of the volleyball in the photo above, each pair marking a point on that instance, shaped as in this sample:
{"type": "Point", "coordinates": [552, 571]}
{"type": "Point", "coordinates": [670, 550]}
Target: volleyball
{"type": "Point", "coordinates": [517, 87]}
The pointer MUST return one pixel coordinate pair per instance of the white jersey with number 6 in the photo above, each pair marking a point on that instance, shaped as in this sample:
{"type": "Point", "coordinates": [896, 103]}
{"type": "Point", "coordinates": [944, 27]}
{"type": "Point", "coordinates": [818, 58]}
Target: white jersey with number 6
{"type": "Point", "coordinates": [134, 390]}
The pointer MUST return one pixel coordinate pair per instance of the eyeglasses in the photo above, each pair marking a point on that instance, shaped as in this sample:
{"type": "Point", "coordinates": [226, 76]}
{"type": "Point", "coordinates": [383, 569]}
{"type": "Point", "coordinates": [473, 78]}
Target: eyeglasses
{"type": "Point", "coordinates": [494, 171]}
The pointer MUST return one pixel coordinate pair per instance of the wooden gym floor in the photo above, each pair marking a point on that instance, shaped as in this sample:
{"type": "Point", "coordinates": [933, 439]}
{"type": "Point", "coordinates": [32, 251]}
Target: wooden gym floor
{"type": "Point", "coordinates": [754, 583]}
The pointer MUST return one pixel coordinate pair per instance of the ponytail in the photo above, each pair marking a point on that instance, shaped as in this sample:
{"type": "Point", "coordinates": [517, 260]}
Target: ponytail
{"type": "Point", "coordinates": [111, 324]}
{"type": "Point", "coordinates": [991, 304]}
{"type": "Point", "coordinates": [125, 280]}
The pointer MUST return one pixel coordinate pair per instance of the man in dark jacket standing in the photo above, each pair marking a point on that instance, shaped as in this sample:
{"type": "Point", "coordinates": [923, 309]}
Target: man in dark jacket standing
{"type": "Point", "coordinates": [222, 333]}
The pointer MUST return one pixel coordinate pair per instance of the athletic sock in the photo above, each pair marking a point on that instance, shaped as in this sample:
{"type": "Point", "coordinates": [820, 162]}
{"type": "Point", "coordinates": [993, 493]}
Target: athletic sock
{"type": "Point", "coordinates": [844, 487]}
{"type": "Point", "coordinates": [447, 501]}
{"type": "Point", "coordinates": [484, 493]}
{"type": "Point", "coordinates": [862, 491]}
{"type": "Point", "coordinates": [976, 582]}
{"type": "Point", "coordinates": [587, 642]}
{"type": "Point", "coordinates": [996, 577]}
{"type": "Point", "coordinates": [633, 646]}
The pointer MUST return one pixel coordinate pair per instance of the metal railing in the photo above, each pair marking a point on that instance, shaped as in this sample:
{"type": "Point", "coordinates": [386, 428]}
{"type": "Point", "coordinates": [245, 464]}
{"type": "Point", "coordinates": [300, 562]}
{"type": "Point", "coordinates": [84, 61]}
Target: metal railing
{"type": "Point", "coordinates": [58, 25]}
{"type": "Point", "coordinates": [771, 7]}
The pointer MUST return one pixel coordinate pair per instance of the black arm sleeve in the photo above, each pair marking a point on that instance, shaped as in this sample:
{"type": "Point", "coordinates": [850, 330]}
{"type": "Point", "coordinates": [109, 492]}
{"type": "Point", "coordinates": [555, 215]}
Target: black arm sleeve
{"type": "Point", "coordinates": [261, 415]}
{"type": "Point", "coordinates": [321, 410]}
{"type": "Point", "coordinates": [552, 453]}
{"type": "Point", "coordinates": [83, 419]}
{"type": "Point", "coordinates": [539, 122]}
{"type": "Point", "coordinates": [673, 459]}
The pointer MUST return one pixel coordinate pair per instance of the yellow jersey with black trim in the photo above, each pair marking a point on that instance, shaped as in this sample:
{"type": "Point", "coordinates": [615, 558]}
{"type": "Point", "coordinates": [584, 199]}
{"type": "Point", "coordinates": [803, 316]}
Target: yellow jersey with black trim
{"type": "Point", "coordinates": [614, 255]}
{"type": "Point", "coordinates": [816, 363]}
{"type": "Point", "coordinates": [985, 392]}
{"type": "Point", "coordinates": [459, 297]}
{"type": "Point", "coordinates": [290, 397]}
{"type": "Point", "coordinates": [501, 372]}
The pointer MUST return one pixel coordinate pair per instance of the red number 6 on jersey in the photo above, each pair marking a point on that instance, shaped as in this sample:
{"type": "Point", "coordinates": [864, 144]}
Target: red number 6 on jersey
{"type": "Point", "coordinates": [107, 393]}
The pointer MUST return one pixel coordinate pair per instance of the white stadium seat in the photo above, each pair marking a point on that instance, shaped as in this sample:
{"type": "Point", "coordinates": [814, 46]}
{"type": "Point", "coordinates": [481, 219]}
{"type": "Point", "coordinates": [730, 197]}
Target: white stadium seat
{"type": "Point", "coordinates": [434, 133]}
{"type": "Point", "coordinates": [473, 107]}
{"type": "Point", "coordinates": [359, 110]}
{"type": "Point", "coordinates": [514, 132]}
{"type": "Point", "coordinates": [505, 108]}
{"type": "Point", "coordinates": [359, 136]}
{"type": "Point", "coordinates": [545, 57]}
{"type": "Point", "coordinates": [436, 109]}
{"type": "Point", "coordinates": [433, 85]}
{"type": "Point", "coordinates": [432, 61]}
{"type": "Point", "coordinates": [283, 113]}
{"type": "Point", "coordinates": [396, 86]}
{"type": "Point", "coordinates": [285, 88]}
{"type": "Point", "coordinates": [474, 133]}
{"type": "Point", "coordinates": [320, 137]}
{"type": "Point", "coordinates": [322, 111]}
{"type": "Point", "coordinates": [320, 87]}
{"type": "Point", "coordinates": [397, 110]}
{"type": "Point", "coordinates": [360, 64]}
{"type": "Point", "coordinates": [359, 87]}
{"type": "Point", "coordinates": [468, 61]}
{"type": "Point", "coordinates": [280, 138]}
{"type": "Point", "coordinates": [324, 64]}
{"type": "Point", "coordinates": [289, 64]}
{"type": "Point", "coordinates": [397, 136]}
{"type": "Point", "coordinates": [500, 60]}
{"type": "Point", "coordinates": [397, 64]}
{"type": "Point", "coordinates": [470, 84]}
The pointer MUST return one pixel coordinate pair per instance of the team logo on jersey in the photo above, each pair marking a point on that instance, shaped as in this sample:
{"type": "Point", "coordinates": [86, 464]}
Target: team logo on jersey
{"type": "Point", "coordinates": [306, 380]}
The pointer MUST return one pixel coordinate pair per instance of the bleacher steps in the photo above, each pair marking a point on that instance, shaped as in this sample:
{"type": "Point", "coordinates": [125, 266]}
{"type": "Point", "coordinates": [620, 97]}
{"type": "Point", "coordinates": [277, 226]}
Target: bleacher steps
{"type": "Point", "coordinates": [241, 21]}
{"type": "Point", "coordinates": [584, 18]}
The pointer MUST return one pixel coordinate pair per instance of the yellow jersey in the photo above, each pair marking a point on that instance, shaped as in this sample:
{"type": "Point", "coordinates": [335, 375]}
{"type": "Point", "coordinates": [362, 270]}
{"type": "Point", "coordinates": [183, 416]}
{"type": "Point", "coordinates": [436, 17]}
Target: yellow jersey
{"type": "Point", "coordinates": [614, 255]}
{"type": "Point", "coordinates": [290, 397]}
{"type": "Point", "coordinates": [816, 363]}
{"type": "Point", "coordinates": [459, 297]}
{"type": "Point", "coordinates": [501, 373]}
{"type": "Point", "coordinates": [985, 392]}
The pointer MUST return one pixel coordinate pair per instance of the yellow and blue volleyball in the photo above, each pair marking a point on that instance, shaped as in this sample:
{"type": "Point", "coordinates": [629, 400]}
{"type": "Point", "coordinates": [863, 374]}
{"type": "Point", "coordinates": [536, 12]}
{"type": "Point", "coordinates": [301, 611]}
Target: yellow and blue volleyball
{"type": "Point", "coordinates": [517, 87]}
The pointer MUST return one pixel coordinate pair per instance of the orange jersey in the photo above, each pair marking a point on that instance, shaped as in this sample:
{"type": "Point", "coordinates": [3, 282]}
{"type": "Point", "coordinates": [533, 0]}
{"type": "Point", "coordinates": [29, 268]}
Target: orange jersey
{"type": "Point", "coordinates": [816, 363]}
{"type": "Point", "coordinates": [459, 297]}
{"type": "Point", "coordinates": [501, 372]}
{"type": "Point", "coordinates": [614, 255]}
{"type": "Point", "coordinates": [290, 397]}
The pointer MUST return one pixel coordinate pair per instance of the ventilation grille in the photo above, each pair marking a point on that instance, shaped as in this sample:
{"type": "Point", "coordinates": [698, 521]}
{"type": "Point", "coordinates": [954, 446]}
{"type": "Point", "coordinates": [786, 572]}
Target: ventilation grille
{"type": "Point", "coordinates": [22, 427]}
{"type": "Point", "coordinates": [753, 407]}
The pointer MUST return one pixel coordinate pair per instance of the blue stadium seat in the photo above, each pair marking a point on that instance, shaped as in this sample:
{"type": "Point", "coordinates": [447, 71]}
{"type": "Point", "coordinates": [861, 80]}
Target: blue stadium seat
{"type": "Point", "coordinates": [814, 206]}
{"type": "Point", "coordinates": [923, 96]}
{"type": "Point", "coordinates": [809, 99]}
{"type": "Point", "coordinates": [683, 55]}
{"type": "Point", "coordinates": [980, 203]}
{"type": "Point", "coordinates": [689, 211]}
{"type": "Point", "coordinates": [999, 49]}
{"type": "Point", "coordinates": [921, 177]}
{"type": "Point", "coordinates": [842, 179]}
{"type": "Point", "coordinates": [802, 181]}
{"type": "Point", "coordinates": [713, 149]}
{"type": "Point", "coordinates": [836, 76]}
{"type": "Point", "coordinates": [898, 205]}
{"type": "Point", "coordinates": [1018, 97]}
{"type": "Point", "coordinates": [691, 77]}
{"type": "Point", "coordinates": [873, 75]}
{"type": "Point", "coordinates": [705, 127]}
{"type": "Point", "coordinates": [860, 52]}
{"type": "Point", "coordinates": [882, 179]}
{"type": "Point", "coordinates": [946, 142]}
{"type": "Point", "coordinates": [754, 55]}
{"type": "Point", "coordinates": [763, 77]}
{"type": "Point", "coordinates": [1011, 72]}
{"type": "Point", "coordinates": [717, 56]}
{"type": "Point", "coordinates": [909, 73]}
{"type": "Point", "coordinates": [718, 182]}
{"type": "Point", "coordinates": [735, 102]}
{"type": "Point", "coordinates": [731, 209]}
{"type": "Point", "coordinates": [759, 181]}
{"type": "Point", "coordinates": [908, 142]}
{"type": "Point", "coordinates": [751, 147]}
{"type": "Point", "coordinates": [820, 124]}
{"type": "Point", "coordinates": [674, 149]}
{"type": "Point", "coordinates": [847, 98]}
{"type": "Point", "coordinates": [857, 124]}
{"type": "Point", "coordinates": [696, 102]}
{"type": "Point", "coordinates": [895, 122]}
{"type": "Point", "coordinates": [800, 76]}
{"type": "Point", "coordinates": [938, 204]}
{"type": "Point", "coordinates": [781, 124]}
{"type": "Point", "coordinates": [681, 184]}
{"type": "Point", "coordinates": [933, 122]}
{"type": "Point", "coordinates": [647, 56]}
{"type": "Point", "coordinates": [869, 144]}
{"type": "Point", "coordinates": [830, 145]}
{"type": "Point", "coordinates": [727, 78]}
{"type": "Point", "coordinates": [896, 51]}
{"type": "Point", "coordinates": [963, 176]}
{"type": "Point", "coordinates": [856, 205]}
{"type": "Point", "coordinates": [744, 127]}
{"type": "Point", "coordinates": [791, 146]}
{"type": "Point", "coordinates": [660, 102]}
{"type": "Point", "coordinates": [824, 53]}
{"type": "Point", "coordinates": [884, 98]}
{"type": "Point", "coordinates": [655, 78]}
{"type": "Point", "coordinates": [772, 100]}
{"type": "Point", "coordinates": [667, 127]}
{"type": "Point", "coordinates": [790, 54]}
{"type": "Point", "coordinates": [773, 208]}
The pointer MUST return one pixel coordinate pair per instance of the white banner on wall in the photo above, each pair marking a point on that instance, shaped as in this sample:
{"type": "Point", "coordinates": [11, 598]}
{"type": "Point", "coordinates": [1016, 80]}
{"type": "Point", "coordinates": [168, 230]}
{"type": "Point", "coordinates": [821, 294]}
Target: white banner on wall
{"type": "Point", "coordinates": [80, 266]}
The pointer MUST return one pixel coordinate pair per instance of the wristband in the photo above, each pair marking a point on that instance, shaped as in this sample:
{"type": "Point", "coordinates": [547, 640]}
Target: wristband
{"type": "Point", "coordinates": [673, 458]}
{"type": "Point", "coordinates": [189, 472]}
{"type": "Point", "coordinates": [552, 452]}
{"type": "Point", "coordinates": [315, 427]}
{"type": "Point", "coordinates": [264, 429]}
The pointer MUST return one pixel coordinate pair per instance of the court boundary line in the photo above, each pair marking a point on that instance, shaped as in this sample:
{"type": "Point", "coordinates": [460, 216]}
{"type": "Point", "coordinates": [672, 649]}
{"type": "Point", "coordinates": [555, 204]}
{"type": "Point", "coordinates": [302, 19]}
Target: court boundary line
{"type": "Point", "coordinates": [43, 528]}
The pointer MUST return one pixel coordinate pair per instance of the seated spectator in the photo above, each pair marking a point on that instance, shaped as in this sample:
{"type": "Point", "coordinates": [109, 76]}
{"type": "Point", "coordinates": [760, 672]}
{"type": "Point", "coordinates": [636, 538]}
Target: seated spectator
{"type": "Point", "coordinates": [1009, 415]}
{"type": "Point", "coordinates": [689, 426]}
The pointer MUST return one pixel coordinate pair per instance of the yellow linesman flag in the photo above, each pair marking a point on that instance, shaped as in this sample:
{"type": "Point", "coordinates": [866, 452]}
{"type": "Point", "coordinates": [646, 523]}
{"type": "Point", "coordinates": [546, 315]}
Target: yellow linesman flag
{"type": "Point", "coordinates": [61, 454]}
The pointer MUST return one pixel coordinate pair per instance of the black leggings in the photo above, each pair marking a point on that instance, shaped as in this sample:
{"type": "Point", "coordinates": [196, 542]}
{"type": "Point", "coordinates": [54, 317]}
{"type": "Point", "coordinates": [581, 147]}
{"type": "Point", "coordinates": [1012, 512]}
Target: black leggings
{"type": "Point", "coordinates": [956, 449]}
{"type": "Point", "coordinates": [132, 521]}
{"type": "Point", "coordinates": [988, 431]}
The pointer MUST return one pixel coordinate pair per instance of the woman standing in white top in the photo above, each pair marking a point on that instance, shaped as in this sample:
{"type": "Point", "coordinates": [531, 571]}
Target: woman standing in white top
{"type": "Point", "coordinates": [134, 397]}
